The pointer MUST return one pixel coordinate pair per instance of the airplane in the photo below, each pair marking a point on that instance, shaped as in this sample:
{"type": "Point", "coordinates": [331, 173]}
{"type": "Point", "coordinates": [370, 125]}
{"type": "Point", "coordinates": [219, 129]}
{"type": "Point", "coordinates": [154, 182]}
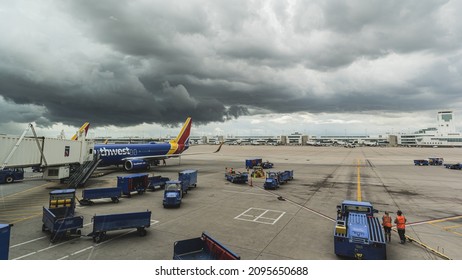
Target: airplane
{"type": "Point", "coordinates": [141, 156]}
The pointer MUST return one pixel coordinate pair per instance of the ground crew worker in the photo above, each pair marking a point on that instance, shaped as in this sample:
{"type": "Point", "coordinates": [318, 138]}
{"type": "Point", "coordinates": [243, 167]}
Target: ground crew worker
{"type": "Point", "coordinates": [386, 223]}
{"type": "Point", "coordinates": [400, 222]}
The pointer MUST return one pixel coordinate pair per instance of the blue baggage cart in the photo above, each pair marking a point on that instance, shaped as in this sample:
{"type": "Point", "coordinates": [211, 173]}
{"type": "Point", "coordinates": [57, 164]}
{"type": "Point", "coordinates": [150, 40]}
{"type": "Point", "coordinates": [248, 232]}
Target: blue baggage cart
{"type": "Point", "coordinates": [61, 222]}
{"type": "Point", "coordinates": [99, 193]}
{"type": "Point", "coordinates": [5, 231]}
{"type": "Point", "coordinates": [252, 162]}
{"type": "Point", "coordinates": [133, 183]}
{"type": "Point", "coordinates": [188, 178]}
{"type": "Point", "coordinates": [202, 248]}
{"type": "Point", "coordinates": [157, 182]}
{"type": "Point", "coordinates": [110, 222]}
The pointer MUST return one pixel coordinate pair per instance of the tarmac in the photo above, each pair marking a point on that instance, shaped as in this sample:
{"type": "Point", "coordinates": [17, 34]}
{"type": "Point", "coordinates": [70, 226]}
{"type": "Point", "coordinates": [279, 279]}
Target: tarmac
{"type": "Point", "coordinates": [294, 222]}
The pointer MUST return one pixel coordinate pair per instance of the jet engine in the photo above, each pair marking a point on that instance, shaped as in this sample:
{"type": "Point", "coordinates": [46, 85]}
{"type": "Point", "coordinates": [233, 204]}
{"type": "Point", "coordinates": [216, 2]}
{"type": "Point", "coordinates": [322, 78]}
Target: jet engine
{"type": "Point", "coordinates": [136, 164]}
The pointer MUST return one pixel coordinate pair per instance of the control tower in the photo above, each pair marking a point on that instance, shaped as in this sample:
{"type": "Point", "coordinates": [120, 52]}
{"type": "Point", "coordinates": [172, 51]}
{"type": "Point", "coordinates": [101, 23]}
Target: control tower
{"type": "Point", "coordinates": [446, 122]}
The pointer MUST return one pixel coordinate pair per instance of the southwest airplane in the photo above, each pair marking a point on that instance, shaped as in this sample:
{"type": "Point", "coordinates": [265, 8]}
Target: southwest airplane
{"type": "Point", "coordinates": [140, 156]}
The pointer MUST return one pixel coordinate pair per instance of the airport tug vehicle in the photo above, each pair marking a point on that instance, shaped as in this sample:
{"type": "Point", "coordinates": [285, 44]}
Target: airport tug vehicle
{"type": "Point", "coordinates": [358, 234]}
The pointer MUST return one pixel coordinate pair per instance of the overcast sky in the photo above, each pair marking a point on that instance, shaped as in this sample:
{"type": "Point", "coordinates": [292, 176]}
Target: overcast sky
{"type": "Point", "coordinates": [236, 67]}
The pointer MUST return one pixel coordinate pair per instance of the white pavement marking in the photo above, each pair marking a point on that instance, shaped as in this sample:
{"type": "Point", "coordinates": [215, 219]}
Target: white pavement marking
{"type": "Point", "coordinates": [260, 218]}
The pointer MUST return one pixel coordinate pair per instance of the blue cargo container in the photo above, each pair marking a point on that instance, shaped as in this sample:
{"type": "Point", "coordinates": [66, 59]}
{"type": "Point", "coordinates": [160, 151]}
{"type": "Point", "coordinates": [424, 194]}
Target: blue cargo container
{"type": "Point", "coordinates": [104, 223]}
{"type": "Point", "coordinates": [133, 183]}
{"type": "Point", "coordinates": [251, 163]}
{"type": "Point", "coordinates": [202, 248]}
{"type": "Point", "coordinates": [5, 231]}
{"type": "Point", "coordinates": [98, 193]}
{"type": "Point", "coordinates": [188, 178]}
{"type": "Point", "coordinates": [358, 234]}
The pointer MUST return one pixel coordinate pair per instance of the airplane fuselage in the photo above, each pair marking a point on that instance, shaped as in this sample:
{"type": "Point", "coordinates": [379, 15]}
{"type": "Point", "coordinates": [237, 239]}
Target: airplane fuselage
{"type": "Point", "coordinates": [115, 154]}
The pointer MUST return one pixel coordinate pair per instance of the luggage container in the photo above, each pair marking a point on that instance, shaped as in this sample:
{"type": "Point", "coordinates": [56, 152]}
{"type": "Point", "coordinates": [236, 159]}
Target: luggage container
{"type": "Point", "coordinates": [202, 248]}
{"type": "Point", "coordinates": [157, 182]}
{"type": "Point", "coordinates": [132, 183]}
{"type": "Point", "coordinates": [105, 223]}
{"type": "Point", "coordinates": [188, 178]}
{"type": "Point", "coordinates": [251, 163]}
{"type": "Point", "coordinates": [87, 195]}
{"type": "Point", "coordinates": [5, 232]}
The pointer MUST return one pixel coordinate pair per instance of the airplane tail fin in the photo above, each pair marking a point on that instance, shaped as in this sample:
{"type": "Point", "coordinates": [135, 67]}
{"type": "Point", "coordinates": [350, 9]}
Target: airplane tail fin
{"type": "Point", "coordinates": [83, 129]}
{"type": "Point", "coordinates": [183, 136]}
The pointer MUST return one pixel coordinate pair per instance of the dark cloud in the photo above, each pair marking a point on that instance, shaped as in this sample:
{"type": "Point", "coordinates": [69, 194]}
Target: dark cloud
{"type": "Point", "coordinates": [125, 63]}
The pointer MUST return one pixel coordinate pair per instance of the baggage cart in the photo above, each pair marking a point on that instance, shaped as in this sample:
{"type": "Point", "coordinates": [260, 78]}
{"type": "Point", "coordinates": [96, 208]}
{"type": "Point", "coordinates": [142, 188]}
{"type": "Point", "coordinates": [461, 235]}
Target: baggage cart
{"type": "Point", "coordinates": [157, 182]}
{"type": "Point", "coordinates": [202, 248]}
{"type": "Point", "coordinates": [188, 178]}
{"type": "Point", "coordinates": [236, 177]}
{"type": "Point", "coordinates": [61, 222]}
{"type": "Point", "coordinates": [252, 162]}
{"type": "Point", "coordinates": [132, 183]}
{"type": "Point", "coordinates": [100, 193]}
{"type": "Point", "coordinates": [421, 162]}
{"type": "Point", "coordinates": [110, 222]}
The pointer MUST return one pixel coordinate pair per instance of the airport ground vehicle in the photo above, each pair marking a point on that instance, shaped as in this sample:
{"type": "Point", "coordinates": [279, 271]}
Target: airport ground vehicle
{"type": "Point", "coordinates": [267, 165]}
{"type": "Point", "coordinates": [88, 194]}
{"type": "Point", "coordinates": [5, 231]}
{"type": "Point", "coordinates": [421, 162]}
{"type": "Point", "coordinates": [59, 218]}
{"type": "Point", "coordinates": [457, 166]}
{"type": "Point", "coordinates": [271, 184]}
{"type": "Point", "coordinates": [236, 177]}
{"type": "Point", "coordinates": [435, 161]}
{"type": "Point", "coordinates": [157, 182]}
{"type": "Point", "coordinates": [183, 187]}
{"type": "Point", "coordinates": [104, 223]}
{"type": "Point", "coordinates": [188, 178]}
{"type": "Point", "coordinates": [276, 178]}
{"type": "Point", "coordinates": [132, 183]}
{"type": "Point", "coordinates": [9, 175]}
{"type": "Point", "coordinates": [202, 248]}
{"type": "Point", "coordinates": [251, 163]}
{"type": "Point", "coordinates": [358, 234]}
{"type": "Point", "coordinates": [172, 195]}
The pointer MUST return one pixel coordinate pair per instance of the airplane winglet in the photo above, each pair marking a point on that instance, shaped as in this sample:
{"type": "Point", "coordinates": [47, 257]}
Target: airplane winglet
{"type": "Point", "coordinates": [221, 144]}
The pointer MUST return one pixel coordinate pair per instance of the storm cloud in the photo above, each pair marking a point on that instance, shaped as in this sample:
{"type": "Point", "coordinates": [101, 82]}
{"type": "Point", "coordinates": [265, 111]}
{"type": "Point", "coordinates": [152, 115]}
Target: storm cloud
{"type": "Point", "coordinates": [125, 63]}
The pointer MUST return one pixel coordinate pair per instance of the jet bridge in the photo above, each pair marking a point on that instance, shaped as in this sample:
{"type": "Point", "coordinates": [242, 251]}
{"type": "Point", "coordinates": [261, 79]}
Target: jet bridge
{"type": "Point", "coordinates": [54, 155]}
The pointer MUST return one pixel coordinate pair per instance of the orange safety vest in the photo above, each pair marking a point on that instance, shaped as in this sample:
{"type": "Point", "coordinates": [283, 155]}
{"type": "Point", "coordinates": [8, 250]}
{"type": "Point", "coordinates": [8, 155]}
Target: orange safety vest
{"type": "Point", "coordinates": [386, 221]}
{"type": "Point", "coordinates": [401, 221]}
